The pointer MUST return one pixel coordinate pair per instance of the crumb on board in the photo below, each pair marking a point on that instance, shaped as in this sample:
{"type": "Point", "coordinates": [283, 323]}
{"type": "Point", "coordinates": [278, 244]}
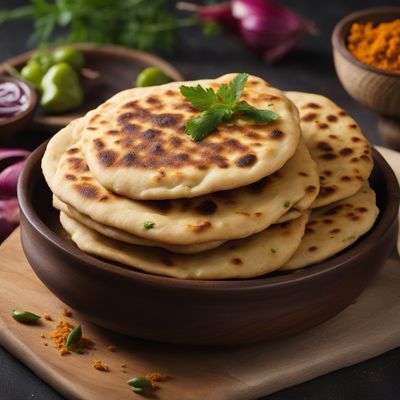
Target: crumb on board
{"type": "Point", "coordinates": [98, 364]}
{"type": "Point", "coordinates": [123, 365]}
{"type": "Point", "coordinates": [43, 336]}
{"type": "Point", "coordinates": [45, 344]}
{"type": "Point", "coordinates": [111, 348]}
{"type": "Point", "coordinates": [66, 313]}
{"type": "Point", "coordinates": [47, 317]}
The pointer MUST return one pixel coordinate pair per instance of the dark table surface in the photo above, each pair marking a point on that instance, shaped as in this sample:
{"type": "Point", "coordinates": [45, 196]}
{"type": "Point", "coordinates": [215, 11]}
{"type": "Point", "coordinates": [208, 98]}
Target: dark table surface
{"type": "Point", "coordinates": [311, 69]}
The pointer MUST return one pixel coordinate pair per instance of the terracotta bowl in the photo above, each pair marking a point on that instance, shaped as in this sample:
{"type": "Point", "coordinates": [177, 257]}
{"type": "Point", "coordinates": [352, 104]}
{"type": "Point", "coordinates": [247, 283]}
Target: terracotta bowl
{"type": "Point", "coordinates": [200, 312]}
{"type": "Point", "coordinates": [376, 89]}
{"type": "Point", "coordinates": [16, 124]}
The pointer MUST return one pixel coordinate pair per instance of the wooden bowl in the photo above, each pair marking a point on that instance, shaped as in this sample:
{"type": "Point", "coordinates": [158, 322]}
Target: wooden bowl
{"type": "Point", "coordinates": [13, 125]}
{"type": "Point", "coordinates": [200, 312]}
{"type": "Point", "coordinates": [118, 68]}
{"type": "Point", "coordinates": [377, 89]}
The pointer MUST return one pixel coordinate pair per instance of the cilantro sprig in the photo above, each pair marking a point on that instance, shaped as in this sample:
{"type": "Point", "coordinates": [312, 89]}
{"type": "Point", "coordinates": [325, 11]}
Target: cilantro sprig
{"type": "Point", "coordinates": [221, 106]}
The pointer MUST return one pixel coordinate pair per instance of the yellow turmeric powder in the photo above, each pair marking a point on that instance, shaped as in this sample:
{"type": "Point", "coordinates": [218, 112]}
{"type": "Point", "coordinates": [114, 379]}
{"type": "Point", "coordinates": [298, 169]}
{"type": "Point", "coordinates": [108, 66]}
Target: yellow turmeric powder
{"type": "Point", "coordinates": [376, 45]}
{"type": "Point", "coordinates": [59, 337]}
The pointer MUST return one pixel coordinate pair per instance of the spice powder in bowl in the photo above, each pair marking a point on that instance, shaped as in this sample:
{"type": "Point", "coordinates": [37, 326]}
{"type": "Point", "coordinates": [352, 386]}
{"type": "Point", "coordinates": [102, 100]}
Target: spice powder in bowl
{"type": "Point", "coordinates": [376, 45]}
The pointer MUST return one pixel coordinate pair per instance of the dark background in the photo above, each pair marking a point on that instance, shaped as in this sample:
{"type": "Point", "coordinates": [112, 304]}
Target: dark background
{"type": "Point", "coordinates": [310, 68]}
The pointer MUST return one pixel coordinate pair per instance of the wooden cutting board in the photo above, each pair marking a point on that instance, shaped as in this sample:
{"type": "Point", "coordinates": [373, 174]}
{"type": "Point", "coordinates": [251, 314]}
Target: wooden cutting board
{"type": "Point", "coordinates": [236, 373]}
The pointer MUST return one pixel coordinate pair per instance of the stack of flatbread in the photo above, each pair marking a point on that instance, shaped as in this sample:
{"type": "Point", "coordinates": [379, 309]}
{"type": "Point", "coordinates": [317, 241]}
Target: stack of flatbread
{"type": "Point", "coordinates": [244, 201]}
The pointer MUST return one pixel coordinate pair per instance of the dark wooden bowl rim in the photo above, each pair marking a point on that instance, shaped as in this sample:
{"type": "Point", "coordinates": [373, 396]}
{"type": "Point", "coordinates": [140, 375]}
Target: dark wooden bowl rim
{"type": "Point", "coordinates": [33, 100]}
{"type": "Point", "coordinates": [341, 30]}
{"type": "Point", "coordinates": [338, 262]}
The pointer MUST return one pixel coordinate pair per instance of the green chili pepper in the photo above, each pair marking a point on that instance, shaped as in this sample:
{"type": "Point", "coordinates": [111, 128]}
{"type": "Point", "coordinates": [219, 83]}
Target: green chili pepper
{"type": "Point", "coordinates": [139, 383]}
{"type": "Point", "coordinates": [24, 317]}
{"type": "Point", "coordinates": [152, 76]}
{"type": "Point", "coordinates": [33, 73]}
{"type": "Point", "coordinates": [74, 336]}
{"type": "Point", "coordinates": [61, 89]}
{"type": "Point", "coordinates": [69, 55]}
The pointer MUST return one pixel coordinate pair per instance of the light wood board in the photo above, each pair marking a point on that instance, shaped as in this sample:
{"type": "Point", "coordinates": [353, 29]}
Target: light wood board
{"type": "Point", "coordinates": [369, 327]}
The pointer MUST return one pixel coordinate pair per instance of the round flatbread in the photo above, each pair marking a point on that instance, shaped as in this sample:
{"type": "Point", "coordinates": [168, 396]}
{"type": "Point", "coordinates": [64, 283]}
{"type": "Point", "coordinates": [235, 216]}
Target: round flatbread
{"type": "Point", "coordinates": [219, 216]}
{"type": "Point", "coordinates": [332, 228]}
{"type": "Point", "coordinates": [336, 143]}
{"type": "Point", "coordinates": [139, 137]}
{"type": "Point", "coordinates": [260, 254]}
{"type": "Point", "coordinates": [126, 237]}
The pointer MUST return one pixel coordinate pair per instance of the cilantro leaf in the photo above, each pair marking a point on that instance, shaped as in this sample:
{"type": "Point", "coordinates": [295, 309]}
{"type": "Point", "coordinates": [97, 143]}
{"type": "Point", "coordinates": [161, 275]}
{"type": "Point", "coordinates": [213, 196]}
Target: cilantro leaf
{"type": "Point", "coordinates": [220, 106]}
{"type": "Point", "coordinates": [202, 125]}
{"type": "Point", "coordinates": [230, 94]}
{"type": "Point", "coordinates": [202, 99]}
{"type": "Point", "coordinates": [255, 114]}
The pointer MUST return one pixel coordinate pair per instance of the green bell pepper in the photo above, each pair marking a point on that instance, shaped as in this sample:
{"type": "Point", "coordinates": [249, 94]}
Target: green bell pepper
{"type": "Point", "coordinates": [33, 73]}
{"type": "Point", "coordinates": [152, 76]}
{"type": "Point", "coordinates": [61, 89]}
{"type": "Point", "coordinates": [69, 55]}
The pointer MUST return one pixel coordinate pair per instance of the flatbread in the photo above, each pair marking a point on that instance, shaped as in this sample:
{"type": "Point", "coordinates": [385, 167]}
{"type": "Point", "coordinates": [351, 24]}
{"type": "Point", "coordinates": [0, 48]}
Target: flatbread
{"type": "Point", "coordinates": [219, 216]}
{"type": "Point", "coordinates": [334, 227]}
{"type": "Point", "coordinates": [139, 136]}
{"type": "Point", "coordinates": [246, 258]}
{"type": "Point", "coordinates": [122, 236]}
{"type": "Point", "coordinates": [336, 143]}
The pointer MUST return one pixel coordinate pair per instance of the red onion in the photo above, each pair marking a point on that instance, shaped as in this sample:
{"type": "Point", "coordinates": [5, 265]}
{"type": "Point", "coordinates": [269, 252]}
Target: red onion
{"type": "Point", "coordinates": [13, 99]}
{"type": "Point", "coordinates": [12, 160]}
{"type": "Point", "coordinates": [9, 179]}
{"type": "Point", "coordinates": [9, 216]}
{"type": "Point", "coordinates": [269, 27]}
{"type": "Point", "coordinates": [263, 25]}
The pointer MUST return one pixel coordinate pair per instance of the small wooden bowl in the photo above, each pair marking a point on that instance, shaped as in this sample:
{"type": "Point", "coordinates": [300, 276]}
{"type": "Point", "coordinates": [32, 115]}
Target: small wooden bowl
{"type": "Point", "coordinates": [117, 67]}
{"type": "Point", "coordinates": [200, 312]}
{"type": "Point", "coordinates": [16, 124]}
{"type": "Point", "coordinates": [377, 89]}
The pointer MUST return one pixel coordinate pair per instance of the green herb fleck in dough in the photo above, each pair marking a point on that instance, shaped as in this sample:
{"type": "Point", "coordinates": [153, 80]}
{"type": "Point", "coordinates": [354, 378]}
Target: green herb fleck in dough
{"type": "Point", "coordinates": [286, 204]}
{"type": "Point", "coordinates": [273, 251]}
{"type": "Point", "coordinates": [149, 225]}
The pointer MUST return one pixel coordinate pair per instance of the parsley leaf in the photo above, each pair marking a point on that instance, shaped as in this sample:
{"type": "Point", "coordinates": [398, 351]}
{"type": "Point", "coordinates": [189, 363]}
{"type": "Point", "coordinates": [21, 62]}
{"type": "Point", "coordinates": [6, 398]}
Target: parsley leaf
{"type": "Point", "coordinates": [202, 125]}
{"type": "Point", "coordinates": [255, 114]}
{"type": "Point", "coordinates": [201, 99]}
{"type": "Point", "coordinates": [221, 106]}
{"type": "Point", "coordinates": [230, 94]}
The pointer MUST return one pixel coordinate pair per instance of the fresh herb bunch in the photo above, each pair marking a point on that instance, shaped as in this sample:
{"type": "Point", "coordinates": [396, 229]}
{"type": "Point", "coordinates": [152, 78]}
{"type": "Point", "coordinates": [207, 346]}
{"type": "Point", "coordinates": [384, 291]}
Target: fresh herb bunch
{"type": "Point", "coordinates": [221, 106]}
{"type": "Point", "coordinates": [142, 24]}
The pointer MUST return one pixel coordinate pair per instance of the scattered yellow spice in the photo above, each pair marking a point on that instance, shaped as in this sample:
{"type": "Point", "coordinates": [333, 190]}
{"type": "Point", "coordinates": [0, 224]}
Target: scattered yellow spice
{"type": "Point", "coordinates": [376, 45]}
{"type": "Point", "coordinates": [155, 377]}
{"type": "Point", "coordinates": [97, 364]}
{"type": "Point", "coordinates": [59, 336]}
